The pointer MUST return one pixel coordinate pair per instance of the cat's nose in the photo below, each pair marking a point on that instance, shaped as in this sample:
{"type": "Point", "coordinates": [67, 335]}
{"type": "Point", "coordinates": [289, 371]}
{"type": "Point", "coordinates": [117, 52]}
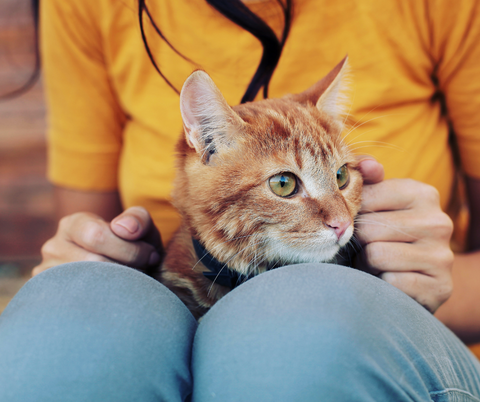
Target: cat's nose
{"type": "Point", "coordinates": [339, 227]}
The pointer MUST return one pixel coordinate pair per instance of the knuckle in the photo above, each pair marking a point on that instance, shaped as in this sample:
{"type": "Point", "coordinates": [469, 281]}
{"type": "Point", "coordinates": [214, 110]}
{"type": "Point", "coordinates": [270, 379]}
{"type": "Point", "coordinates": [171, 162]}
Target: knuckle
{"type": "Point", "coordinates": [447, 226]}
{"type": "Point", "coordinates": [441, 291]}
{"type": "Point", "coordinates": [411, 186]}
{"type": "Point", "coordinates": [48, 249]}
{"type": "Point", "coordinates": [430, 194]}
{"type": "Point", "coordinates": [446, 258]}
{"type": "Point", "coordinates": [444, 291]}
{"type": "Point", "coordinates": [435, 224]}
{"type": "Point", "coordinates": [441, 226]}
{"type": "Point", "coordinates": [64, 223]}
{"type": "Point", "coordinates": [68, 222]}
{"type": "Point", "coordinates": [442, 286]}
{"type": "Point", "coordinates": [93, 234]}
{"type": "Point", "coordinates": [410, 183]}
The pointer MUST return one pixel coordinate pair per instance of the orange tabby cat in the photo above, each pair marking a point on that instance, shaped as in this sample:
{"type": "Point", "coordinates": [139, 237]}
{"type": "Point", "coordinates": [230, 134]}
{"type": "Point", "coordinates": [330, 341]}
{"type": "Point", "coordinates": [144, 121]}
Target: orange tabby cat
{"type": "Point", "coordinates": [258, 186]}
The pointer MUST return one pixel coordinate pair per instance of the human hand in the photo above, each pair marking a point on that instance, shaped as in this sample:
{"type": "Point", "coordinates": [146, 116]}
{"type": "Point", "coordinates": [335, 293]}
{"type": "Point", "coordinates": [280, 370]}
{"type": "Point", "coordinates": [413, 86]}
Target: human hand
{"type": "Point", "coordinates": [130, 239]}
{"type": "Point", "coordinates": [405, 236]}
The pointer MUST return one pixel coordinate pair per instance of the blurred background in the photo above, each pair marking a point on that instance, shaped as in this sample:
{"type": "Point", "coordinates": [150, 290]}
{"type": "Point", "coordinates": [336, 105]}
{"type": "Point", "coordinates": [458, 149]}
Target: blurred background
{"type": "Point", "coordinates": [26, 208]}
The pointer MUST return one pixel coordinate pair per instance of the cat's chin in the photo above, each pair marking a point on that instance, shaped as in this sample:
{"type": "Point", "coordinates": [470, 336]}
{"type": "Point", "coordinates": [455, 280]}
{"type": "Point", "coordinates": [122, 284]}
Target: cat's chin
{"type": "Point", "coordinates": [324, 255]}
{"type": "Point", "coordinates": [291, 255]}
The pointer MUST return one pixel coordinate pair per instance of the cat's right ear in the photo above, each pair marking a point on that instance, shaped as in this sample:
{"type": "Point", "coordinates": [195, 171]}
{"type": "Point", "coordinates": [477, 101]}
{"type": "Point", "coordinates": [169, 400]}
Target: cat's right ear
{"type": "Point", "coordinates": [328, 94]}
{"type": "Point", "coordinates": [208, 120]}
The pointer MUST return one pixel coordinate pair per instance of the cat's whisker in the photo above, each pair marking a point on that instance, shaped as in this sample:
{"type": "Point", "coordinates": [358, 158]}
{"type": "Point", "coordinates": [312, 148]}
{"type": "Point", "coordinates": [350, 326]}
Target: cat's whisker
{"type": "Point", "coordinates": [367, 121]}
{"type": "Point", "coordinates": [261, 259]}
{"type": "Point", "coordinates": [396, 228]}
{"type": "Point", "coordinates": [377, 146]}
{"type": "Point", "coordinates": [352, 141]}
{"type": "Point", "coordinates": [225, 266]}
{"type": "Point", "coordinates": [347, 115]}
{"type": "Point", "coordinates": [385, 144]}
{"type": "Point", "coordinates": [358, 136]}
{"type": "Point", "coordinates": [254, 264]}
{"type": "Point", "coordinates": [217, 246]}
{"type": "Point", "coordinates": [360, 119]}
{"type": "Point", "coordinates": [234, 238]}
{"type": "Point", "coordinates": [358, 124]}
{"type": "Point", "coordinates": [221, 244]}
{"type": "Point", "coordinates": [355, 244]}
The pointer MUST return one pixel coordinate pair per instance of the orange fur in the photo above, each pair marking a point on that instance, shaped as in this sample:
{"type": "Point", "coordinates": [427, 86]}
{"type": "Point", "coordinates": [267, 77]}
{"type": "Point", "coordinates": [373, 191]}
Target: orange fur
{"type": "Point", "coordinates": [225, 160]}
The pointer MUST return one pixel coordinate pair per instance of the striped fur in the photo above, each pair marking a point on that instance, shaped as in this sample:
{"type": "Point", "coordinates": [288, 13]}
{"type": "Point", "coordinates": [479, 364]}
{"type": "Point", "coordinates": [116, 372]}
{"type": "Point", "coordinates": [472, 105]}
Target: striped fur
{"type": "Point", "coordinates": [225, 160]}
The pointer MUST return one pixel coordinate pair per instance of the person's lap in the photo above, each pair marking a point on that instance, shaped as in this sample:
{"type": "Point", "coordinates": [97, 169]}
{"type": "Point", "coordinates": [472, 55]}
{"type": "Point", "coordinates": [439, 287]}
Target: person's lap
{"type": "Point", "coordinates": [96, 332]}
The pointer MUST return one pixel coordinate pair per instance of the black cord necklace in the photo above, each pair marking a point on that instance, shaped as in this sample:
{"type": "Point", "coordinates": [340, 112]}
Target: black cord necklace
{"type": "Point", "coordinates": [219, 273]}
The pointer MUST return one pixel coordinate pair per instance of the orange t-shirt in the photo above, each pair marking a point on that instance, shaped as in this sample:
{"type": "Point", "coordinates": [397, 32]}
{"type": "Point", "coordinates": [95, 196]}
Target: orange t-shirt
{"type": "Point", "coordinates": [113, 121]}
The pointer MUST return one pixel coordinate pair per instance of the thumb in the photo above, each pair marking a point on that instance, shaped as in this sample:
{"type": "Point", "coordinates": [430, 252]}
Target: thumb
{"type": "Point", "coordinates": [135, 223]}
{"type": "Point", "coordinates": [371, 170]}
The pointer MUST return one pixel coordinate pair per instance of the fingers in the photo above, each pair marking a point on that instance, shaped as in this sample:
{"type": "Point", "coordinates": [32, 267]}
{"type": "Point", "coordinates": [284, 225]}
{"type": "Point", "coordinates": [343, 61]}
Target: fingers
{"type": "Point", "coordinates": [371, 170]}
{"type": "Point", "coordinates": [69, 252]}
{"type": "Point", "coordinates": [93, 235]}
{"type": "Point", "coordinates": [132, 224]}
{"type": "Point", "coordinates": [403, 226]}
{"type": "Point", "coordinates": [430, 292]}
{"type": "Point", "coordinates": [385, 226]}
{"type": "Point", "coordinates": [404, 257]}
{"type": "Point", "coordinates": [405, 237]}
{"type": "Point", "coordinates": [87, 237]}
{"type": "Point", "coordinates": [395, 194]}
{"type": "Point", "coordinates": [422, 273]}
{"type": "Point", "coordinates": [135, 223]}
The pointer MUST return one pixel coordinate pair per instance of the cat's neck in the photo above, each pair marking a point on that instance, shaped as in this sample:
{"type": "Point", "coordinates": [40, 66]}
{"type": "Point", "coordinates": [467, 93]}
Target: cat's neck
{"type": "Point", "coordinates": [218, 272]}
{"type": "Point", "coordinates": [182, 271]}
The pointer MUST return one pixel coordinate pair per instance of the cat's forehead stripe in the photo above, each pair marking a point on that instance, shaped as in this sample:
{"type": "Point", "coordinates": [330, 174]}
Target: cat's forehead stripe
{"type": "Point", "coordinates": [280, 128]}
{"type": "Point", "coordinates": [298, 156]}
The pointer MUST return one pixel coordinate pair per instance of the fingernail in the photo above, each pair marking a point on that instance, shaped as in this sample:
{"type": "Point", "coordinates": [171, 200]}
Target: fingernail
{"type": "Point", "coordinates": [128, 223]}
{"type": "Point", "coordinates": [154, 258]}
{"type": "Point", "coordinates": [368, 161]}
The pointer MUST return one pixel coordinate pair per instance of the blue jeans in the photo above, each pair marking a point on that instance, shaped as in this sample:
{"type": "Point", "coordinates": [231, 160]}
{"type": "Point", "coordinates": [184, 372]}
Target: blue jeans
{"type": "Point", "coordinates": [103, 332]}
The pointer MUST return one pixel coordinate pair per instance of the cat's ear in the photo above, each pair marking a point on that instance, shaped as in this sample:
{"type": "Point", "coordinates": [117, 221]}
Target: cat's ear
{"type": "Point", "coordinates": [328, 94]}
{"type": "Point", "coordinates": [208, 121]}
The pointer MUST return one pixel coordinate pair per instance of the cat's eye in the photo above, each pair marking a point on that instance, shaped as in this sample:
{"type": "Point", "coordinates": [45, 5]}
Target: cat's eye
{"type": "Point", "coordinates": [283, 184]}
{"type": "Point", "coordinates": [343, 177]}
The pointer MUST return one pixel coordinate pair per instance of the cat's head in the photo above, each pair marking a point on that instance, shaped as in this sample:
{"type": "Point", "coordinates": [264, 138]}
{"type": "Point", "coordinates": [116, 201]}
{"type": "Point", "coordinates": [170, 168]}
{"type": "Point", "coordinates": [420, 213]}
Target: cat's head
{"type": "Point", "coordinates": [267, 182]}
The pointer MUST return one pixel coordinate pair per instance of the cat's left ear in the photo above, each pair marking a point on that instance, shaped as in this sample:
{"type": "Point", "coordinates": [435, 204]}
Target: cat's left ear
{"type": "Point", "coordinates": [328, 94]}
{"type": "Point", "coordinates": [209, 122]}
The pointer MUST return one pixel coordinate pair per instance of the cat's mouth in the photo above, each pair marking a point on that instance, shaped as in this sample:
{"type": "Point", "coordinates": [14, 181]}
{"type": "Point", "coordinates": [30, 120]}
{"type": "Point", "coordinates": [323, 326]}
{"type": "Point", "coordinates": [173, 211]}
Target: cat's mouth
{"type": "Point", "coordinates": [221, 274]}
{"type": "Point", "coordinates": [346, 236]}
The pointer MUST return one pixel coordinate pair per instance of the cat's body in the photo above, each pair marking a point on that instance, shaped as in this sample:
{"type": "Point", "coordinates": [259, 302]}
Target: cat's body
{"type": "Point", "coordinates": [264, 184]}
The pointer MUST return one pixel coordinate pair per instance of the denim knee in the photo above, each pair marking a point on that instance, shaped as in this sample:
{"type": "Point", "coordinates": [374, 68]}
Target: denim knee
{"type": "Point", "coordinates": [314, 331]}
{"type": "Point", "coordinates": [97, 332]}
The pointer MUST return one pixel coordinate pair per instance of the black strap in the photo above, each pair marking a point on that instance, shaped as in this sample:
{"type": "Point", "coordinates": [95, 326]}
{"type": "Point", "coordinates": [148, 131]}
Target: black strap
{"type": "Point", "coordinates": [219, 272]}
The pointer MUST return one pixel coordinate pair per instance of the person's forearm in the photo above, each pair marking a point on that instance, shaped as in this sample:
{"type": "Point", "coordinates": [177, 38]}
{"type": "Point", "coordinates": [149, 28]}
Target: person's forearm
{"type": "Point", "coordinates": [107, 205]}
{"type": "Point", "coordinates": [461, 313]}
